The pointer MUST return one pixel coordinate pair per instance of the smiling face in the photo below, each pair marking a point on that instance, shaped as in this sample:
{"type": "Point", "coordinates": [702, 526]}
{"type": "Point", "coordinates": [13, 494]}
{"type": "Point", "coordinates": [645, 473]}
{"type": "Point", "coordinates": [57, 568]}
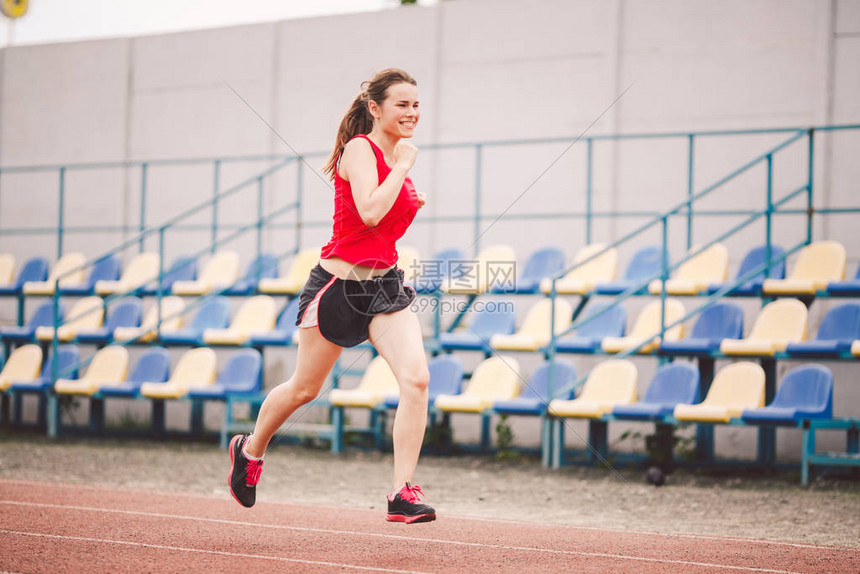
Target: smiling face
{"type": "Point", "coordinates": [398, 114]}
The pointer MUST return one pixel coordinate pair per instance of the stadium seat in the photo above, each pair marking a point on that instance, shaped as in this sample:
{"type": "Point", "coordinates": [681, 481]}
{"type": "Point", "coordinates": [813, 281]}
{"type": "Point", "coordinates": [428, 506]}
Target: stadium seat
{"type": "Point", "coordinates": [434, 271]}
{"type": "Point", "coordinates": [584, 278]}
{"type": "Point", "coordinates": [24, 364]}
{"type": "Point", "coordinates": [293, 280]}
{"type": "Point", "coordinates": [488, 322]}
{"type": "Point", "coordinates": [242, 375]}
{"type": "Point", "coordinates": [471, 277]}
{"type": "Point", "coordinates": [196, 368]}
{"type": "Point", "coordinates": [778, 324]}
{"type": "Point", "coordinates": [7, 269]}
{"type": "Point", "coordinates": [409, 260]}
{"type": "Point", "coordinates": [213, 313]}
{"type": "Point", "coordinates": [171, 320]}
{"type": "Point", "coordinates": [221, 270]}
{"type": "Point", "coordinates": [736, 387]}
{"type": "Point", "coordinates": [446, 378]}
{"type": "Point", "coordinates": [855, 348]}
{"type": "Point", "coordinates": [264, 266]}
{"type": "Point", "coordinates": [756, 257]}
{"type": "Point", "coordinates": [697, 273]}
{"type": "Point", "coordinates": [108, 365]}
{"type": "Point", "coordinates": [67, 359]}
{"type": "Point", "coordinates": [673, 384]}
{"type": "Point", "coordinates": [536, 330]}
{"type": "Point", "coordinates": [182, 268]}
{"type": "Point", "coordinates": [494, 379]}
{"type": "Point", "coordinates": [645, 264]}
{"type": "Point", "coordinates": [105, 269]}
{"type": "Point", "coordinates": [69, 267]}
{"type": "Point", "coordinates": [536, 396]}
{"type": "Point", "coordinates": [806, 392]}
{"type": "Point", "coordinates": [543, 264]}
{"type": "Point", "coordinates": [846, 288]}
{"type": "Point", "coordinates": [646, 330]}
{"type": "Point", "coordinates": [720, 321]}
{"type": "Point", "coordinates": [817, 265]}
{"type": "Point", "coordinates": [34, 270]}
{"type": "Point", "coordinates": [588, 337]}
{"type": "Point", "coordinates": [838, 330]}
{"type": "Point", "coordinates": [125, 312]}
{"type": "Point", "coordinates": [609, 384]}
{"type": "Point", "coordinates": [285, 331]}
{"type": "Point", "coordinates": [43, 317]}
{"type": "Point", "coordinates": [142, 269]}
{"type": "Point", "coordinates": [87, 314]}
{"type": "Point", "coordinates": [256, 315]}
{"type": "Point", "coordinates": [153, 366]}
{"type": "Point", "coordinates": [377, 384]}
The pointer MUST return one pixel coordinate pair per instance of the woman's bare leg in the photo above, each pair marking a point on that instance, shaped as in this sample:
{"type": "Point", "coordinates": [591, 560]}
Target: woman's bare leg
{"type": "Point", "coordinates": [397, 337]}
{"type": "Point", "coordinates": [315, 358]}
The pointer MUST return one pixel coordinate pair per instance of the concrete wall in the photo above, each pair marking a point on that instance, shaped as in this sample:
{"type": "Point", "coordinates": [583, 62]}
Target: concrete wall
{"type": "Point", "coordinates": [488, 70]}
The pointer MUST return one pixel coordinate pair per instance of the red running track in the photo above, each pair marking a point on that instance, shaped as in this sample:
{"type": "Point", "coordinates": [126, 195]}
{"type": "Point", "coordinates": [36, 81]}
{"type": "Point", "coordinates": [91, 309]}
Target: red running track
{"type": "Point", "coordinates": [53, 527]}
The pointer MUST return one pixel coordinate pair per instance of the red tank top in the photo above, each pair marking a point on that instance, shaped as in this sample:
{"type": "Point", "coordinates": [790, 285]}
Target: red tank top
{"type": "Point", "coordinates": [352, 240]}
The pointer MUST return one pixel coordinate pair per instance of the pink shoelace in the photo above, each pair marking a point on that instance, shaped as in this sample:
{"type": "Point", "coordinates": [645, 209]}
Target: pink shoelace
{"type": "Point", "coordinates": [410, 493]}
{"type": "Point", "coordinates": [252, 472]}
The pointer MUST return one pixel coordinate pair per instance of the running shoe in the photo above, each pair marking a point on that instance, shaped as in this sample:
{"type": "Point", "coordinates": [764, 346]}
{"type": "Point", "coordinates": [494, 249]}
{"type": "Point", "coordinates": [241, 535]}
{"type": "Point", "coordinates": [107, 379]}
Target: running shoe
{"type": "Point", "coordinates": [244, 473]}
{"type": "Point", "coordinates": [406, 506]}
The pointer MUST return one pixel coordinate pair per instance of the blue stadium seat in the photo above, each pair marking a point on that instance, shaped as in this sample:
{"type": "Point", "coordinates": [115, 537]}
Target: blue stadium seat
{"type": "Point", "coordinates": [264, 266]}
{"type": "Point", "coordinates": [105, 269]}
{"type": "Point", "coordinates": [806, 392]}
{"type": "Point", "coordinates": [446, 378]}
{"type": "Point", "coordinates": [153, 365]}
{"type": "Point", "coordinates": [543, 264]}
{"type": "Point", "coordinates": [535, 397]}
{"type": "Point", "coordinates": [647, 263]}
{"type": "Point", "coordinates": [846, 288]}
{"type": "Point", "coordinates": [242, 375]}
{"type": "Point", "coordinates": [213, 313]}
{"type": "Point", "coordinates": [839, 328]}
{"type": "Point", "coordinates": [721, 321]}
{"type": "Point", "coordinates": [673, 384]}
{"type": "Point", "coordinates": [43, 317]}
{"type": "Point", "coordinates": [35, 269]}
{"type": "Point", "coordinates": [284, 329]}
{"type": "Point", "coordinates": [587, 338]}
{"type": "Point", "coordinates": [435, 270]}
{"type": "Point", "coordinates": [754, 258]}
{"type": "Point", "coordinates": [125, 312]}
{"type": "Point", "coordinates": [67, 357]}
{"type": "Point", "coordinates": [183, 268]}
{"type": "Point", "coordinates": [487, 322]}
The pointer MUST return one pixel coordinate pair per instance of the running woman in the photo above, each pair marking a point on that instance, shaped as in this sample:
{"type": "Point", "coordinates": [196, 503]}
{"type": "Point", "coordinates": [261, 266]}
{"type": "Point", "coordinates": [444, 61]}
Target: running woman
{"type": "Point", "coordinates": [356, 292]}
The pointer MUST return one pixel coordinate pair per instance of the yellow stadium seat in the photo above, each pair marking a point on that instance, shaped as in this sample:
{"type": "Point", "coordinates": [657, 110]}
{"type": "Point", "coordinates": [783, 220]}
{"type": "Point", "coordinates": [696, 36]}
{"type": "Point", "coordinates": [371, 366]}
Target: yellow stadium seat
{"type": "Point", "coordinates": [221, 270]}
{"type": "Point", "coordinates": [109, 365]}
{"type": "Point", "coordinates": [142, 269]}
{"type": "Point", "coordinates": [495, 379]}
{"type": "Point", "coordinates": [196, 368]}
{"type": "Point", "coordinates": [87, 314]}
{"type": "Point", "coordinates": [779, 323]}
{"type": "Point", "coordinates": [697, 273]}
{"type": "Point", "coordinates": [256, 315]}
{"type": "Point", "coordinates": [376, 385]}
{"type": "Point", "coordinates": [647, 329]}
{"type": "Point", "coordinates": [817, 265]}
{"type": "Point", "coordinates": [855, 348]}
{"type": "Point", "coordinates": [409, 260]}
{"type": "Point", "coordinates": [293, 281]}
{"type": "Point", "coordinates": [24, 364]}
{"type": "Point", "coordinates": [535, 331]}
{"type": "Point", "coordinates": [7, 268]}
{"type": "Point", "coordinates": [583, 279]}
{"type": "Point", "coordinates": [171, 320]}
{"type": "Point", "coordinates": [735, 387]}
{"type": "Point", "coordinates": [474, 277]}
{"type": "Point", "coordinates": [609, 384]}
{"type": "Point", "coordinates": [64, 265]}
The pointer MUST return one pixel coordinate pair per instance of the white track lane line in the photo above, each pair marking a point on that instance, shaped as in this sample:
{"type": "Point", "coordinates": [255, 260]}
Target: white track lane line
{"type": "Point", "coordinates": [110, 488]}
{"type": "Point", "coordinates": [201, 551]}
{"type": "Point", "coordinates": [395, 537]}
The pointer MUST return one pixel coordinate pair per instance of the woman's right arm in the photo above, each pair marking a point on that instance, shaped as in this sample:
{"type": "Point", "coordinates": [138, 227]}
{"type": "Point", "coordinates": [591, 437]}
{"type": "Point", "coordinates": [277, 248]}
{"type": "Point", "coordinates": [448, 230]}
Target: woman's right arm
{"type": "Point", "coordinates": [358, 167]}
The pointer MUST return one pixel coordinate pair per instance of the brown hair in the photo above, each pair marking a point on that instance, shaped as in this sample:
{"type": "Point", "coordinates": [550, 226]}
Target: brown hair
{"type": "Point", "coordinates": [358, 119]}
